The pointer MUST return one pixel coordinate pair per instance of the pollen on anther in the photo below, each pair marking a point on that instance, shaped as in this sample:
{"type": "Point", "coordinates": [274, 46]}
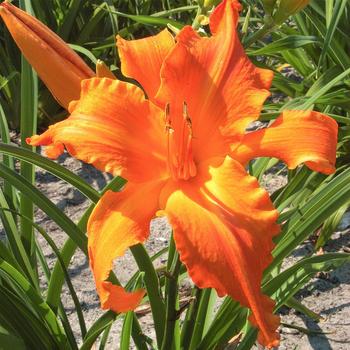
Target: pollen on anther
{"type": "Point", "coordinates": [168, 127]}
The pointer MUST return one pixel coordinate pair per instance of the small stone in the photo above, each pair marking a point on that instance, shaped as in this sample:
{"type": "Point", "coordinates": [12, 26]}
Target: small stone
{"type": "Point", "coordinates": [287, 330]}
{"type": "Point", "coordinates": [345, 222]}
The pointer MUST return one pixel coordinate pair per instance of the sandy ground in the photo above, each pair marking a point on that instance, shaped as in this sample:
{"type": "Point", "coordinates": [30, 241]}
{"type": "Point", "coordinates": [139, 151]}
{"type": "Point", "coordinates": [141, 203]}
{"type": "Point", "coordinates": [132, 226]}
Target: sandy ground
{"type": "Point", "coordinates": [328, 295]}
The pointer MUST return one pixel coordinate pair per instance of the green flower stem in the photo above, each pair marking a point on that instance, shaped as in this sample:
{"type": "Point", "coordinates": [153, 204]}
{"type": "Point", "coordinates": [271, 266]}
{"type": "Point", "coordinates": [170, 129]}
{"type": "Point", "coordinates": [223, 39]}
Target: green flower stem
{"type": "Point", "coordinates": [171, 287]}
{"type": "Point", "coordinates": [196, 22]}
{"type": "Point", "coordinates": [188, 326]}
{"type": "Point", "coordinates": [138, 337]}
{"type": "Point", "coordinates": [128, 321]}
{"type": "Point", "coordinates": [201, 319]}
{"type": "Point", "coordinates": [145, 265]}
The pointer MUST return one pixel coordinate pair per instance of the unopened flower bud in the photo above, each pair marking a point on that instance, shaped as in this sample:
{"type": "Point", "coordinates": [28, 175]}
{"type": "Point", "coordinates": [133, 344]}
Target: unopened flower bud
{"type": "Point", "coordinates": [60, 68]}
{"type": "Point", "coordinates": [269, 6]}
{"type": "Point", "coordinates": [288, 8]}
{"type": "Point", "coordinates": [210, 3]}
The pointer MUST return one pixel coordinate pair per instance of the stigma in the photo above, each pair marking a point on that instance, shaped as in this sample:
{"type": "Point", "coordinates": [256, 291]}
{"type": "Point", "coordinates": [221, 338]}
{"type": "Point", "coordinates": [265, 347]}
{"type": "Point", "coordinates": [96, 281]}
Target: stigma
{"type": "Point", "coordinates": [178, 126]}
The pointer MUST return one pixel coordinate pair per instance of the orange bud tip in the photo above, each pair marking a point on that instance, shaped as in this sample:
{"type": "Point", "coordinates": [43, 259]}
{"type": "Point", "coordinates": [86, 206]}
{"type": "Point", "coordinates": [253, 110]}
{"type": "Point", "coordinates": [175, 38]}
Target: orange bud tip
{"type": "Point", "coordinates": [63, 69]}
{"type": "Point", "coordinates": [34, 140]}
{"type": "Point", "coordinates": [28, 139]}
{"type": "Point", "coordinates": [102, 71]}
{"type": "Point", "coordinates": [119, 300]}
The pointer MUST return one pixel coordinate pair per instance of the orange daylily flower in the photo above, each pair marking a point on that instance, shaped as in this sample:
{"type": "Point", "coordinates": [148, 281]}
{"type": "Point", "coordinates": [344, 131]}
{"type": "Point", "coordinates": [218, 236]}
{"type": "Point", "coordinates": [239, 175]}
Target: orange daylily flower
{"type": "Point", "coordinates": [183, 149]}
{"type": "Point", "coordinates": [60, 68]}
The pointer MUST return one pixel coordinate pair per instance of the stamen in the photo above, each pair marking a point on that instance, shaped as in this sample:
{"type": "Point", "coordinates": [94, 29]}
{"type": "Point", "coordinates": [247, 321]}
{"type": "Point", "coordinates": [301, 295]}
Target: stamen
{"type": "Point", "coordinates": [187, 118]}
{"type": "Point", "coordinates": [170, 139]}
{"type": "Point", "coordinates": [179, 139]}
{"type": "Point", "coordinates": [167, 117]}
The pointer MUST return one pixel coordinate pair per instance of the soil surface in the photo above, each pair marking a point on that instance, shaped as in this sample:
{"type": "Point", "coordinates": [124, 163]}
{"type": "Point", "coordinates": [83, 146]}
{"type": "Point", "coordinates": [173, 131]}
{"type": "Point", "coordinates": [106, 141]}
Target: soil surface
{"type": "Point", "coordinates": [328, 295]}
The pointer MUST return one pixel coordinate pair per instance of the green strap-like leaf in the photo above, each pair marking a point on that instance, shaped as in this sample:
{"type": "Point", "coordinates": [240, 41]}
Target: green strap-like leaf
{"type": "Point", "coordinates": [331, 28]}
{"type": "Point", "coordinates": [311, 215]}
{"type": "Point", "coordinates": [14, 240]}
{"type": "Point", "coordinates": [38, 304]}
{"type": "Point", "coordinates": [52, 167]}
{"type": "Point", "coordinates": [287, 43]}
{"type": "Point", "coordinates": [46, 205]}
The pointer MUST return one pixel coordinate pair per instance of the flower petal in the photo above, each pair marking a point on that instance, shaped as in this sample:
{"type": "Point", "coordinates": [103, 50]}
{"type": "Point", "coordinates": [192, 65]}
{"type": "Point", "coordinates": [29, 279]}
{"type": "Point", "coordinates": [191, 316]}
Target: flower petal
{"type": "Point", "coordinates": [114, 128]}
{"type": "Point", "coordinates": [223, 90]}
{"type": "Point", "coordinates": [102, 71]}
{"type": "Point", "coordinates": [223, 225]}
{"type": "Point", "coordinates": [142, 59]}
{"type": "Point", "coordinates": [119, 221]}
{"type": "Point", "coordinates": [60, 68]}
{"type": "Point", "coordinates": [295, 137]}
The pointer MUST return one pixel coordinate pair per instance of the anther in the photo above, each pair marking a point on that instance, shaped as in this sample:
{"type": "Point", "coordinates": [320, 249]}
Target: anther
{"type": "Point", "coordinates": [167, 110]}
{"type": "Point", "coordinates": [168, 127]}
{"type": "Point", "coordinates": [187, 117]}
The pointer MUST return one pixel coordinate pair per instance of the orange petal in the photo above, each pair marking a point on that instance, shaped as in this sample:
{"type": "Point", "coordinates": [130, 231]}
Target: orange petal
{"type": "Point", "coordinates": [223, 225]}
{"type": "Point", "coordinates": [223, 90]}
{"type": "Point", "coordinates": [114, 128]}
{"type": "Point", "coordinates": [119, 221]}
{"type": "Point", "coordinates": [102, 71]}
{"type": "Point", "coordinates": [142, 59]}
{"type": "Point", "coordinates": [60, 68]}
{"type": "Point", "coordinates": [295, 137]}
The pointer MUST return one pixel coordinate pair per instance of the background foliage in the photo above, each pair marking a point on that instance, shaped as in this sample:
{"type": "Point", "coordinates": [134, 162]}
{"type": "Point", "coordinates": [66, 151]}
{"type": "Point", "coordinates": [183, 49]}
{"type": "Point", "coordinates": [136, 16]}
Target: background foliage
{"type": "Point", "coordinates": [310, 54]}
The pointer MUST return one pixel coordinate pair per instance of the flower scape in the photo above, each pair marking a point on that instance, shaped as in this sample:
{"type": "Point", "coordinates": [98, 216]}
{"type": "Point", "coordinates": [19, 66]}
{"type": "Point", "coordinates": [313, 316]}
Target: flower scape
{"type": "Point", "coordinates": [179, 137]}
